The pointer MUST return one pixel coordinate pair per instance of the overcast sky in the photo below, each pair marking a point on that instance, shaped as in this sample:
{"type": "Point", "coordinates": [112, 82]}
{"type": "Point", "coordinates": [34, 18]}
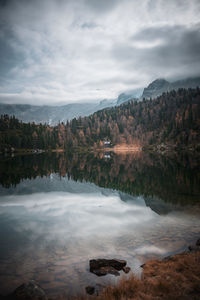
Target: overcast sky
{"type": "Point", "coordinates": [61, 51]}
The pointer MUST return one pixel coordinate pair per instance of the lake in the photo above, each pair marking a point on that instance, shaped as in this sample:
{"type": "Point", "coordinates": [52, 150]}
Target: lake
{"type": "Point", "coordinates": [59, 210]}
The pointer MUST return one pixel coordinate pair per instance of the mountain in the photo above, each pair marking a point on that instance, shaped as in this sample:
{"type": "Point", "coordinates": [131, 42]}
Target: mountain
{"type": "Point", "coordinates": [156, 88]}
{"type": "Point", "coordinates": [52, 115]}
{"type": "Point", "coordinates": [166, 122]}
{"type": "Point", "coordinates": [171, 120]}
{"type": "Point", "coordinates": [160, 86]}
{"type": "Point", "coordinates": [123, 98]}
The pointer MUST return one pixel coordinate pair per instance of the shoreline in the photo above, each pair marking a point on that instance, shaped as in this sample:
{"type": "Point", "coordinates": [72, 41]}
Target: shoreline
{"type": "Point", "coordinates": [118, 149]}
{"type": "Point", "coordinates": [171, 278]}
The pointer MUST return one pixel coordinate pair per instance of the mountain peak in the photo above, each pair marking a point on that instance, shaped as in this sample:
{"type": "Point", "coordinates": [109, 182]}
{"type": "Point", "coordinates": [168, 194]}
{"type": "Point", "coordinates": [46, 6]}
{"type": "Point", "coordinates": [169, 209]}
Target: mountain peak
{"type": "Point", "coordinates": [161, 85]}
{"type": "Point", "coordinates": [122, 98]}
{"type": "Point", "coordinates": [160, 82]}
{"type": "Point", "coordinates": [156, 88]}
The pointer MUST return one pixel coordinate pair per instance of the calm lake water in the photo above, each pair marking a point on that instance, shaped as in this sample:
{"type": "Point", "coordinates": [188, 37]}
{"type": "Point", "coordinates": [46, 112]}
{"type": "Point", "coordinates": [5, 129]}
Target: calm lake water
{"type": "Point", "coordinates": [58, 211]}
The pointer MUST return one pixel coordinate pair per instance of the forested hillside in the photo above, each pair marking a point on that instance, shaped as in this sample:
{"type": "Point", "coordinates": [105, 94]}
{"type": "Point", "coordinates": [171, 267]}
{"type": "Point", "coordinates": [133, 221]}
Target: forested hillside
{"type": "Point", "coordinates": [172, 119]}
{"type": "Point", "coordinates": [18, 135]}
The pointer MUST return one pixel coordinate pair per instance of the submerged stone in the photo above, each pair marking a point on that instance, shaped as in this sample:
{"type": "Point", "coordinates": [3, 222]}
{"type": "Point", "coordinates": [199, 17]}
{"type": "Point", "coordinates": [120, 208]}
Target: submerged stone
{"type": "Point", "coordinates": [102, 267]}
{"type": "Point", "coordinates": [28, 291]}
{"type": "Point", "coordinates": [90, 290]}
{"type": "Point", "coordinates": [198, 242]}
{"type": "Point", "coordinates": [126, 269]}
{"type": "Point", "coordinates": [194, 248]}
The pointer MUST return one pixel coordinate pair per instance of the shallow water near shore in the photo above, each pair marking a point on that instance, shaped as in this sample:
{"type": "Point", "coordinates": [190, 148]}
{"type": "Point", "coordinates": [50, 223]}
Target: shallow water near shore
{"type": "Point", "coordinates": [58, 211]}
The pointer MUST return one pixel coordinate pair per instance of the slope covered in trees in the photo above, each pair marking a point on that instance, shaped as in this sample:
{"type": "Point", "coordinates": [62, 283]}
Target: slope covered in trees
{"type": "Point", "coordinates": [18, 135]}
{"type": "Point", "coordinates": [172, 119]}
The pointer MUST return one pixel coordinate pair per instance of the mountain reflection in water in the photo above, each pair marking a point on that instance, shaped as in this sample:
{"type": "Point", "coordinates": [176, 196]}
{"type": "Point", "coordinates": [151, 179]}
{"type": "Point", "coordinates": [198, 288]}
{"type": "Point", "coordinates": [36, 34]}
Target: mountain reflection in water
{"type": "Point", "coordinates": [60, 210]}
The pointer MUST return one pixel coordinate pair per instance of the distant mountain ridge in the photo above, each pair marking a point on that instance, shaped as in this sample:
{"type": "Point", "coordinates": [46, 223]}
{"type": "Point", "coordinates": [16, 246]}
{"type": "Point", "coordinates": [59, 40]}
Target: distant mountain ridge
{"type": "Point", "coordinates": [52, 115]}
{"type": "Point", "coordinates": [170, 121]}
{"type": "Point", "coordinates": [160, 86]}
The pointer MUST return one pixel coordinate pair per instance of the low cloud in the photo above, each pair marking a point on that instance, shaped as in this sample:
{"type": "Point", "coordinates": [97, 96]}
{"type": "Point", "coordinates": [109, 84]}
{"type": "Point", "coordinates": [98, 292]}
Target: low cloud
{"type": "Point", "coordinates": [65, 51]}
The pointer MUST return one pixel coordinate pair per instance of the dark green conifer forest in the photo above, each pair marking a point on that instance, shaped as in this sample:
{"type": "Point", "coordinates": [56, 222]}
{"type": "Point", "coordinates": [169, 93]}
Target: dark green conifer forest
{"type": "Point", "coordinates": [172, 118]}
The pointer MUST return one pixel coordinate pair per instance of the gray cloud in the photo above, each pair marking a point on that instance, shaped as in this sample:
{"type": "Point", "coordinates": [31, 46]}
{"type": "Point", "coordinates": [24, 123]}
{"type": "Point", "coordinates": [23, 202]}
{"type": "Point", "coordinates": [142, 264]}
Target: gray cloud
{"type": "Point", "coordinates": [166, 50]}
{"type": "Point", "coordinates": [102, 6]}
{"type": "Point", "coordinates": [88, 25]}
{"type": "Point", "coordinates": [63, 51]}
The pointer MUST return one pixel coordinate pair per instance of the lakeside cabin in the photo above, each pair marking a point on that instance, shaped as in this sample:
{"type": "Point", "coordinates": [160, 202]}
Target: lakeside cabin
{"type": "Point", "coordinates": [107, 143]}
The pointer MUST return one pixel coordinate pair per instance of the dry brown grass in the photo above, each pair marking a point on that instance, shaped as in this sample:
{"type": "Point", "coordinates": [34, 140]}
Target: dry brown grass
{"type": "Point", "coordinates": [176, 278]}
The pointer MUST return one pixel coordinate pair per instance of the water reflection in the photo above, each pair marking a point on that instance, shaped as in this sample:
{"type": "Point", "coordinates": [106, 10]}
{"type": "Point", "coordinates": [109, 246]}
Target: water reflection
{"type": "Point", "coordinates": [174, 178]}
{"type": "Point", "coordinates": [59, 211]}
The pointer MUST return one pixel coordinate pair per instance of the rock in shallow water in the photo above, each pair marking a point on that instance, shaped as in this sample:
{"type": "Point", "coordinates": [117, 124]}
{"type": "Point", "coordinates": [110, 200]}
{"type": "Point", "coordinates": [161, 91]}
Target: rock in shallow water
{"type": "Point", "coordinates": [102, 267]}
{"type": "Point", "coordinates": [195, 247]}
{"type": "Point", "coordinates": [106, 270]}
{"type": "Point", "coordinates": [90, 290]}
{"type": "Point", "coordinates": [126, 269]}
{"type": "Point", "coordinates": [198, 242]}
{"type": "Point", "coordinates": [28, 291]}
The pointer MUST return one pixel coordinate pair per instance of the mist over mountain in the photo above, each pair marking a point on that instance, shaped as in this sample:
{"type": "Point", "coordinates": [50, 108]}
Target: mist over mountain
{"type": "Point", "coordinates": [171, 119]}
{"type": "Point", "coordinates": [52, 115]}
{"type": "Point", "coordinates": [48, 114]}
{"type": "Point", "coordinates": [160, 86]}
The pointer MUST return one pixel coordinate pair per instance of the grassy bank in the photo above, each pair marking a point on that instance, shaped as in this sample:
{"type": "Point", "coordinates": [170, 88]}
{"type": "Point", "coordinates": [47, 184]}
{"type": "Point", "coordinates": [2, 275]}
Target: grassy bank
{"type": "Point", "coordinates": [177, 277]}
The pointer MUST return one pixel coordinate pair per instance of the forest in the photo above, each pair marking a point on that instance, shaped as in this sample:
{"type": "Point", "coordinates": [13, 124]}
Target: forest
{"type": "Point", "coordinates": [171, 119]}
{"type": "Point", "coordinates": [18, 135]}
